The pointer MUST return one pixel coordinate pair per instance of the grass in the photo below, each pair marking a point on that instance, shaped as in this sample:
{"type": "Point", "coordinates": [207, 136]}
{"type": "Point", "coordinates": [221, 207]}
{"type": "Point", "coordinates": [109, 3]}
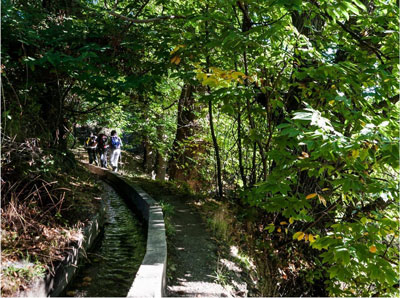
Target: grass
{"type": "Point", "coordinates": [167, 208]}
{"type": "Point", "coordinates": [221, 220]}
{"type": "Point", "coordinates": [219, 224]}
{"type": "Point", "coordinates": [17, 276]}
{"type": "Point", "coordinates": [218, 218]}
{"type": "Point", "coordinates": [242, 258]}
{"type": "Point", "coordinates": [168, 211]}
{"type": "Point", "coordinates": [29, 271]}
{"type": "Point", "coordinates": [221, 277]}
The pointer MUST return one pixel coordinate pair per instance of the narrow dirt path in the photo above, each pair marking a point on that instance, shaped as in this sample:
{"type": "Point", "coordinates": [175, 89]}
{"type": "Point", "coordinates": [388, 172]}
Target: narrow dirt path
{"type": "Point", "coordinates": [194, 255]}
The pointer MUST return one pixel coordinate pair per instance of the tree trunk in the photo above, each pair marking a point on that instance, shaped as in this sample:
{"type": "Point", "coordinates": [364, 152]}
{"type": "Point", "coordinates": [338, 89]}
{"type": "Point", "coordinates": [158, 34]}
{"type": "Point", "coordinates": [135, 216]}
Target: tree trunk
{"type": "Point", "coordinates": [161, 167]}
{"type": "Point", "coordinates": [210, 114]}
{"type": "Point", "coordinates": [186, 149]}
{"type": "Point", "coordinates": [253, 127]}
{"type": "Point", "coordinates": [246, 26]}
{"type": "Point", "coordinates": [216, 148]}
{"type": "Point", "coordinates": [241, 167]}
{"type": "Point", "coordinates": [161, 163]}
{"type": "Point", "coordinates": [148, 158]}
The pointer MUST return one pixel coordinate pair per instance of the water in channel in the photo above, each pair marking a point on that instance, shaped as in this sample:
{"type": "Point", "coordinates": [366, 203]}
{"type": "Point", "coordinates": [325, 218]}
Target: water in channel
{"type": "Point", "coordinates": [116, 256]}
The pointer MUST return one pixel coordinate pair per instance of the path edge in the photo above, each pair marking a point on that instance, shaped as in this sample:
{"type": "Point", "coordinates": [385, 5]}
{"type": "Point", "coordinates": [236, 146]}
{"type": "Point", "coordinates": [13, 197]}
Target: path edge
{"type": "Point", "coordinates": [150, 280]}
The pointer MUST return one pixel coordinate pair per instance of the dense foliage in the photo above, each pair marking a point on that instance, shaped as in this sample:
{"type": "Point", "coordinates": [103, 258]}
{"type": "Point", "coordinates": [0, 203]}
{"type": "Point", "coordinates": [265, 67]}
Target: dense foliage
{"type": "Point", "coordinates": [289, 109]}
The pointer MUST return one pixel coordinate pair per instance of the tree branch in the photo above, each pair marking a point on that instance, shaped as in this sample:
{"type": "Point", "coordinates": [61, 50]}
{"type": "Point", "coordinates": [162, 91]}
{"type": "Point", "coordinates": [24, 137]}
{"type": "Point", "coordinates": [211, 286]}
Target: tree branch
{"type": "Point", "coordinates": [151, 20]}
{"type": "Point", "coordinates": [236, 15]}
{"type": "Point", "coordinates": [141, 8]}
{"type": "Point", "coordinates": [88, 111]}
{"type": "Point", "coordinates": [247, 23]}
{"type": "Point", "coordinates": [355, 35]}
{"type": "Point", "coordinates": [330, 208]}
{"type": "Point", "coordinates": [170, 106]}
{"type": "Point", "coordinates": [270, 23]}
{"type": "Point", "coordinates": [65, 93]}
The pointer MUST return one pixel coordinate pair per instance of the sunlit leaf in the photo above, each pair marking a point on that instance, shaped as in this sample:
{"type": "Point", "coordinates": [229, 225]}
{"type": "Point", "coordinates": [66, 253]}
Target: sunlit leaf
{"type": "Point", "coordinates": [310, 196]}
{"type": "Point", "coordinates": [298, 235]}
{"type": "Point", "coordinates": [176, 49]}
{"type": "Point", "coordinates": [322, 199]}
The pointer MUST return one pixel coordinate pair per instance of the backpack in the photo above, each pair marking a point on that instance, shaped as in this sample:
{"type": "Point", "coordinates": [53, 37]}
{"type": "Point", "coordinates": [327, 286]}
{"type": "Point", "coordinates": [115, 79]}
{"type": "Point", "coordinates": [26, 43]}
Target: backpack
{"type": "Point", "coordinates": [103, 141]}
{"type": "Point", "coordinates": [87, 142]}
{"type": "Point", "coordinates": [91, 142]}
{"type": "Point", "coordinates": [115, 142]}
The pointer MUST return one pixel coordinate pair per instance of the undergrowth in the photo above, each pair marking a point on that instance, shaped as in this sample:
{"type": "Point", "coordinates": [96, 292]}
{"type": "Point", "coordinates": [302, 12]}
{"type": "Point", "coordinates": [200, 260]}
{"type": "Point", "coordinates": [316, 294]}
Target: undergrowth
{"type": "Point", "coordinates": [221, 219]}
{"type": "Point", "coordinates": [46, 197]}
{"type": "Point", "coordinates": [168, 212]}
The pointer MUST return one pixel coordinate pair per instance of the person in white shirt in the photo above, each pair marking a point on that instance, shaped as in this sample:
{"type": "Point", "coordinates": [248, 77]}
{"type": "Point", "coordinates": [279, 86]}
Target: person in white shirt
{"type": "Point", "coordinates": [115, 146]}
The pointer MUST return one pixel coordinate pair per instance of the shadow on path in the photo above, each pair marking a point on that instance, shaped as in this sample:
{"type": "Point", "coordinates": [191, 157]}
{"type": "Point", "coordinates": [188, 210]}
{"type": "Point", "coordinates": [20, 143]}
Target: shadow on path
{"type": "Point", "coordinates": [194, 255]}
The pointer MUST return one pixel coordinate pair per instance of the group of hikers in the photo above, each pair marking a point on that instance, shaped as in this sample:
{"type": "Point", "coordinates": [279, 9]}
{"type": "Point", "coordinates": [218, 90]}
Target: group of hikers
{"type": "Point", "coordinates": [102, 145]}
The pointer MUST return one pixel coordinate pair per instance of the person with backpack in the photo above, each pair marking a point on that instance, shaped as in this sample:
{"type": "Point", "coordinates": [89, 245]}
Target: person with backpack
{"type": "Point", "coordinates": [91, 147]}
{"type": "Point", "coordinates": [115, 144]}
{"type": "Point", "coordinates": [102, 148]}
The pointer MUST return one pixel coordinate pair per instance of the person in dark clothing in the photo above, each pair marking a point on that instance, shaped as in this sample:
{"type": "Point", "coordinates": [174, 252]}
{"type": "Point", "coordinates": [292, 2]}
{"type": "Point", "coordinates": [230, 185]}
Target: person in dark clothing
{"type": "Point", "coordinates": [102, 148]}
{"type": "Point", "coordinates": [91, 148]}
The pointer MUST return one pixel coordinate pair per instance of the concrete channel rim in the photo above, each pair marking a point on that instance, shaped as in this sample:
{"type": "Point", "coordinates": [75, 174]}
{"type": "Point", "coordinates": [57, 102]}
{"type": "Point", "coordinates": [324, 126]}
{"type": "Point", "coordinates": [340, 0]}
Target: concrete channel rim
{"type": "Point", "coordinates": [150, 280]}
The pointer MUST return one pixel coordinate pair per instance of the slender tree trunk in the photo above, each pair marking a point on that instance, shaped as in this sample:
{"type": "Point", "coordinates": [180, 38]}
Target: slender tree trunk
{"type": "Point", "coordinates": [253, 178]}
{"type": "Point", "coordinates": [183, 132]}
{"type": "Point", "coordinates": [246, 26]}
{"type": "Point", "coordinates": [210, 114]}
{"type": "Point", "coordinates": [216, 148]}
{"type": "Point", "coordinates": [241, 168]}
{"type": "Point", "coordinates": [148, 158]}
{"type": "Point", "coordinates": [253, 127]}
{"type": "Point", "coordinates": [240, 149]}
{"type": "Point", "coordinates": [161, 163]}
{"type": "Point", "coordinates": [74, 134]}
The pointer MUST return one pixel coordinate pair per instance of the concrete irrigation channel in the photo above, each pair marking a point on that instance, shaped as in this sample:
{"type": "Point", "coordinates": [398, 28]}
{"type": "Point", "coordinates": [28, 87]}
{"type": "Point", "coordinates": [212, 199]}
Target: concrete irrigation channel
{"type": "Point", "coordinates": [110, 265]}
{"type": "Point", "coordinates": [150, 278]}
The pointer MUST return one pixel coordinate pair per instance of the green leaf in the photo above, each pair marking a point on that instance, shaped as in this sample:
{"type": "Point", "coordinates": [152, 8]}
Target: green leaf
{"type": "Point", "coordinates": [342, 255]}
{"type": "Point", "coordinates": [351, 7]}
{"type": "Point", "coordinates": [360, 5]}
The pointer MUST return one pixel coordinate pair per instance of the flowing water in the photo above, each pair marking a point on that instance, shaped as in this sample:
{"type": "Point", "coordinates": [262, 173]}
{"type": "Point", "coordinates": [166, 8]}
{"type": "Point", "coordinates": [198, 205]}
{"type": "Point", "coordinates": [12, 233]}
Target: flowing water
{"type": "Point", "coordinates": [116, 256]}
